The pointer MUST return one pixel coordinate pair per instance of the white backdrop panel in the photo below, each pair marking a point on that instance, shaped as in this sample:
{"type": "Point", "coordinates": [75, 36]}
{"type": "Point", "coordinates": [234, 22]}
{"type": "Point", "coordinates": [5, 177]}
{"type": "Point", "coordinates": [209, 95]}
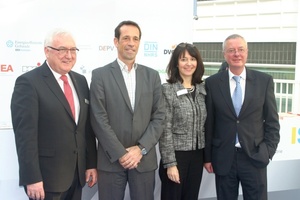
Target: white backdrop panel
{"type": "Point", "coordinates": [24, 24]}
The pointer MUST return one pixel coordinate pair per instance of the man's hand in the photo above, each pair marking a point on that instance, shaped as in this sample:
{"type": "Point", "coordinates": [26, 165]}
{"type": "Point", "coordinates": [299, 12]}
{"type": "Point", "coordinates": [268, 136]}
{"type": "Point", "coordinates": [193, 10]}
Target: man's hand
{"type": "Point", "coordinates": [36, 191]}
{"type": "Point", "coordinates": [208, 167]}
{"type": "Point", "coordinates": [132, 158]}
{"type": "Point", "coordinates": [91, 177]}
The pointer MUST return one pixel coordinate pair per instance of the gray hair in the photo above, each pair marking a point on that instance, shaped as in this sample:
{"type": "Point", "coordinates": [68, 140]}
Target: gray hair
{"type": "Point", "coordinates": [233, 36]}
{"type": "Point", "coordinates": [53, 34]}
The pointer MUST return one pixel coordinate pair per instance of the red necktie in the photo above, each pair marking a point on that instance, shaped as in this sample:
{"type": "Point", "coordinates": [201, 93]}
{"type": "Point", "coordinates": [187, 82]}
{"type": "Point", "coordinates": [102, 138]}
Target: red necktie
{"type": "Point", "coordinates": [68, 93]}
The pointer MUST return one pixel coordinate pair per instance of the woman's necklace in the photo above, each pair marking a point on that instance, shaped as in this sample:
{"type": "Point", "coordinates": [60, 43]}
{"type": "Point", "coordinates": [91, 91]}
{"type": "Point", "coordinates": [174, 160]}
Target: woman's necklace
{"type": "Point", "coordinates": [190, 90]}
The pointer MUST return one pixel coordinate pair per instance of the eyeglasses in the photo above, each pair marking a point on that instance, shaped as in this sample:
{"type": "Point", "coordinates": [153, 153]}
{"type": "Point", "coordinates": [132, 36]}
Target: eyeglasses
{"type": "Point", "coordinates": [63, 51]}
{"type": "Point", "coordinates": [234, 51]}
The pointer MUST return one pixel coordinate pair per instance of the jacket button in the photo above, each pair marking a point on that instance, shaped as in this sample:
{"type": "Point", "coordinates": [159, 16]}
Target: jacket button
{"type": "Point", "coordinates": [238, 121]}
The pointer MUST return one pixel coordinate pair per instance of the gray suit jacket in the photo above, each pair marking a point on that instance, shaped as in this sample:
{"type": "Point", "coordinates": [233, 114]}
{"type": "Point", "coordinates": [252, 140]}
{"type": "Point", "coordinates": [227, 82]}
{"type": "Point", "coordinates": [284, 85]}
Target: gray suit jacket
{"type": "Point", "coordinates": [116, 125]}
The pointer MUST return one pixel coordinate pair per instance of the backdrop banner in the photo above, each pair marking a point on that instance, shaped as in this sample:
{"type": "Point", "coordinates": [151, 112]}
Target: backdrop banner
{"type": "Point", "coordinates": [164, 24]}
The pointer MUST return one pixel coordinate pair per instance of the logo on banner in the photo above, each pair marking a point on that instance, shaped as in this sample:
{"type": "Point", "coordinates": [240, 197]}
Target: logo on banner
{"type": "Point", "coordinates": [295, 135]}
{"type": "Point", "coordinates": [150, 49]}
{"type": "Point", "coordinates": [9, 43]}
{"type": "Point", "coordinates": [22, 45]}
{"type": "Point", "coordinates": [169, 51]}
{"type": "Point", "coordinates": [30, 67]}
{"type": "Point", "coordinates": [83, 69]}
{"type": "Point", "coordinates": [106, 48]}
{"type": "Point", "coordinates": [6, 68]}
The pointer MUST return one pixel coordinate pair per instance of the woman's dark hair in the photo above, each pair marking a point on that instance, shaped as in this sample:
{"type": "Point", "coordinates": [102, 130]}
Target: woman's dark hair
{"type": "Point", "coordinates": [172, 68]}
{"type": "Point", "coordinates": [128, 22]}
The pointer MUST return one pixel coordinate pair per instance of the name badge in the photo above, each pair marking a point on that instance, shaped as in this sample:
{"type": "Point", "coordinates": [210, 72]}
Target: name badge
{"type": "Point", "coordinates": [182, 92]}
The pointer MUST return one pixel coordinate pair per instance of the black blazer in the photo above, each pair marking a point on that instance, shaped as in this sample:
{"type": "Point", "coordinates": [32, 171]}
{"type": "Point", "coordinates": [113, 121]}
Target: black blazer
{"type": "Point", "coordinates": [48, 141]}
{"type": "Point", "coordinates": [257, 124]}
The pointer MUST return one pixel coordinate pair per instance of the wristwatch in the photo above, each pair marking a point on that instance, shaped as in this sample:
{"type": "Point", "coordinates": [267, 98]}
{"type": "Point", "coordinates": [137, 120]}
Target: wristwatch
{"type": "Point", "coordinates": [143, 149]}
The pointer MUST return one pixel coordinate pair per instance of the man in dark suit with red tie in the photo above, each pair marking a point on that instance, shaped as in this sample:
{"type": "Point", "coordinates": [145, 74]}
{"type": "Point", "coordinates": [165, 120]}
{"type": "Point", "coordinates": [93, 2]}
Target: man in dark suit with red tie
{"type": "Point", "coordinates": [55, 143]}
{"type": "Point", "coordinates": [240, 144]}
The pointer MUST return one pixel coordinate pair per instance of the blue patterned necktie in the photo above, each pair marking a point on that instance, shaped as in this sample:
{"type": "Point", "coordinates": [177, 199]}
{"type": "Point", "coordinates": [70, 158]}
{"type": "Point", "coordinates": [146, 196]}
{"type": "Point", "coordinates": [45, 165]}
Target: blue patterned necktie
{"type": "Point", "coordinates": [237, 95]}
{"type": "Point", "coordinates": [237, 101]}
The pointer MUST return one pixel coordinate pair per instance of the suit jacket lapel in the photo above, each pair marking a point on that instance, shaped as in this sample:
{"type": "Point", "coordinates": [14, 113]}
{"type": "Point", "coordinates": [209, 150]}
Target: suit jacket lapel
{"type": "Point", "coordinates": [75, 83]}
{"type": "Point", "coordinates": [249, 90]}
{"type": "Point", "coordinates": [225, 90]}
{"type": "Point", "coordinates": [117, 74]}
{"type": "Point", "coordinates": [139, 83]}
{"type": "Point", "coordinates": [54, 87]}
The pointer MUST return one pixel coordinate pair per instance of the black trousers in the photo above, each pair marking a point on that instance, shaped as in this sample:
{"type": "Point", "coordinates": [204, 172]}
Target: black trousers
{"type": "Point", "coordinates": [253, 180]}
{"type": "Point", "coordinates": [190, 167]}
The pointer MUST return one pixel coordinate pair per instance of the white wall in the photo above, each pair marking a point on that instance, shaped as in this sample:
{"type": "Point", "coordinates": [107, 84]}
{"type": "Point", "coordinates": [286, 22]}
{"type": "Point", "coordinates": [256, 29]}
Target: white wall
{"type": "Point", "coordinates": [256, 20]}
{"type": "Point", "coordinates": [24, 24]}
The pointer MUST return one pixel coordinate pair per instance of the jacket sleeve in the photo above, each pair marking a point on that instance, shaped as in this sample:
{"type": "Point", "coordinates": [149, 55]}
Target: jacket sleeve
{"type": "Point", "coordinates": [155, 127]}
{"type": "Point", "coordinates": [271, 123]}
{"type": "Point", "coordinates": [100, 121]}
{"type": "Point", "coordinates": [208, 124]}
{"type": "Point", "coordinates": [24, 112]}
{"type": "Point", "coordinates": [166, 145]}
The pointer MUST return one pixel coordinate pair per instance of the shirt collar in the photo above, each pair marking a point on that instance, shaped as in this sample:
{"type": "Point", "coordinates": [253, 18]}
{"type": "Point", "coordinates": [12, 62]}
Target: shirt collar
{"type": "Point", "coordinates": [55, 74]}
{"type": "Point", "coordinates": [242, 75]}
{"type": "Point", "coordinates": [123, 66]}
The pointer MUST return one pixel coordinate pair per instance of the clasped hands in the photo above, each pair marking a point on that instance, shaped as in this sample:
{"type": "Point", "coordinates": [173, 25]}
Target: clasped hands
{"type": "Point", "coordinates": [132, 158]}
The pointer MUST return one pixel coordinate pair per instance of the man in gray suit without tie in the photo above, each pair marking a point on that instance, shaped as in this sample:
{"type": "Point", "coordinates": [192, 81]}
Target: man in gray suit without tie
{"type": "Point", "coordinates": [127, 116]}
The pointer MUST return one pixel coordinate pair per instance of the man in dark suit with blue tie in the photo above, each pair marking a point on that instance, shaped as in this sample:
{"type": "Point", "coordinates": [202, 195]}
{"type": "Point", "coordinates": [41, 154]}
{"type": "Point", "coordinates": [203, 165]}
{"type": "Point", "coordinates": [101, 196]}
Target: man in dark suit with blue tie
{"type": "Point", "coordinates": [127, 116]}
{"type": "Point", "coordinates": [242, 126]}
{"type": "Point", "coordinates": [55, 143]}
